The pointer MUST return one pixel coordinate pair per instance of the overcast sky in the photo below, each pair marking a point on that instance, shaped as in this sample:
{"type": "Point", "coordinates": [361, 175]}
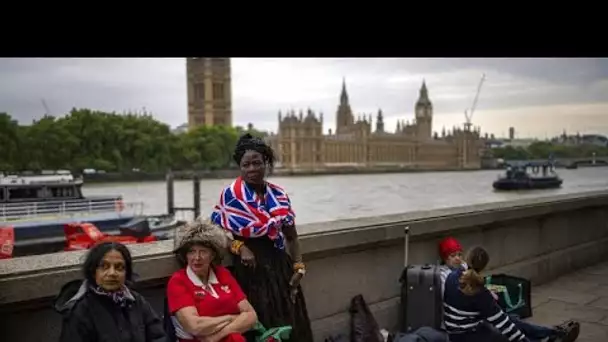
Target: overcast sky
{"type": "Point", "coordinates": [539, 97]}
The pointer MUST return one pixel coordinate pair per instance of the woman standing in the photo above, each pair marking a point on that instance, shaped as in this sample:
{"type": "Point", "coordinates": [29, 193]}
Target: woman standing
{"type": "Point", "coordinates": [260, 217]}
{"type": "Point", "coordinates": [102, 307]}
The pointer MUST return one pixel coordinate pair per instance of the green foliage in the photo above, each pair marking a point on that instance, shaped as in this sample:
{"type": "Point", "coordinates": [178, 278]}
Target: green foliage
{"type": "Point", "coordinates": [543, 150]}
{"type": "Point", "coordinates": [251, 130]}
{"type": "Point", "coordinates": [115, 143]}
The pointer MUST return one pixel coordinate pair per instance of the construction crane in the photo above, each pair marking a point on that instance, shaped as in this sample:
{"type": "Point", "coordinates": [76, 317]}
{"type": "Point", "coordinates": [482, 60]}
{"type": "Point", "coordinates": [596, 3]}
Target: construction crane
{"type": "Point", "coordinates": [468, 113]}
{"type": "Point", "coordinates": [46, 108]}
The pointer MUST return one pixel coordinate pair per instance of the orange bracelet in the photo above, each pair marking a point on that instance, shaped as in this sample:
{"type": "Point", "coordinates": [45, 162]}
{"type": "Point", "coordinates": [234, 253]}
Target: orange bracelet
{"type": "Point", "coordinates": [235, 247]}
{"type": "Point", "coordinates": [299, 266]}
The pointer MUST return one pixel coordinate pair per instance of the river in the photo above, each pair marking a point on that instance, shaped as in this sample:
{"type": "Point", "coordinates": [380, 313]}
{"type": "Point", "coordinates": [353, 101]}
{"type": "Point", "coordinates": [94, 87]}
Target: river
{"type": "Point", "coordinates": [328, 198]}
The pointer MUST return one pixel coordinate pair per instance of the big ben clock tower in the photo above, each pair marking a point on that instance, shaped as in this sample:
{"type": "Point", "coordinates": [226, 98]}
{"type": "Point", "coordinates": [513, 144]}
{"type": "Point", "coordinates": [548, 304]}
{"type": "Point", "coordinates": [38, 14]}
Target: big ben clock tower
{"type": "Point", "coordinates": [424, 114]}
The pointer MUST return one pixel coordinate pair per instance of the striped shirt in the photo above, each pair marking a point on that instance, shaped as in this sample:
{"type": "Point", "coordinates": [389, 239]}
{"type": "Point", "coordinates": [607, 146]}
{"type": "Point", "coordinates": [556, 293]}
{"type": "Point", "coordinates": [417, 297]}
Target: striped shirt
{"type": "Point", "coordinates": [463, 314]}
{"type": "Point", "coordinates": [444, 271]}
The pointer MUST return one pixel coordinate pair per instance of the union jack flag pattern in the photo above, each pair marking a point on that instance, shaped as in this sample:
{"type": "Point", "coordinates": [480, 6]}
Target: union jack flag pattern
{"type": "Point", "coordinates": [243, 213]}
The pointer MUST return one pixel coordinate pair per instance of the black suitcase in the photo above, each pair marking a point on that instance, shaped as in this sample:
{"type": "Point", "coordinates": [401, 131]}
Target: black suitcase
{"type": "Point", "coordinates": [421, 299]}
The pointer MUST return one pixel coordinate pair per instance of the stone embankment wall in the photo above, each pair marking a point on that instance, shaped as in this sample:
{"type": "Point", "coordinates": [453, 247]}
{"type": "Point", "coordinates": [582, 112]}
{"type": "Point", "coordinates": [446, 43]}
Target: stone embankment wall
{"type": "Point", "coordinates": [540, 239]}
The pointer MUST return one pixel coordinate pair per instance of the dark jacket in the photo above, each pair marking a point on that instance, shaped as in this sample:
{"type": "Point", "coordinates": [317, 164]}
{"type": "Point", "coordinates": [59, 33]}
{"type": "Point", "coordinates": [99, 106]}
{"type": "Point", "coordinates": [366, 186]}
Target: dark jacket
{"type": "Point", "coordinates": [89, 317]}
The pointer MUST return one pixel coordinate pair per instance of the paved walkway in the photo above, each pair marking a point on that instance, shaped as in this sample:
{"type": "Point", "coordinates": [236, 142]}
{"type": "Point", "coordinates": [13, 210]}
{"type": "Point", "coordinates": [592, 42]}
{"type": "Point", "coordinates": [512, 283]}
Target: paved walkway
{"type": "Point", "coordinates": [582, 296]}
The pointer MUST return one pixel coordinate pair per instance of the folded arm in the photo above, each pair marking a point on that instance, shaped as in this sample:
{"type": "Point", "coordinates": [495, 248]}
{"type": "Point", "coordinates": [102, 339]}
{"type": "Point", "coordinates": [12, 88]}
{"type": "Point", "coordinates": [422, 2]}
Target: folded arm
{"type": "Point", "coordinates": [240, 324]}
{"type": "Point", "coordinates": [201, 325]}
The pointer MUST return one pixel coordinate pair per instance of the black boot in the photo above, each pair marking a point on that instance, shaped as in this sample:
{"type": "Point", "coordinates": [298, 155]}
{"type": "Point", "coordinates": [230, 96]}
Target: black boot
{"type": "Point", "coordinates": [566, 332]}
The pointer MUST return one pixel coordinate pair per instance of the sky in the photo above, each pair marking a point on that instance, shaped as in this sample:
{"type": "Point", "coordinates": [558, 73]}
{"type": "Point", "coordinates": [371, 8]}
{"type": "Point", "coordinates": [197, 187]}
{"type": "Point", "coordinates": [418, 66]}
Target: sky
{"type": "Point", "coordinates": [539, 97]}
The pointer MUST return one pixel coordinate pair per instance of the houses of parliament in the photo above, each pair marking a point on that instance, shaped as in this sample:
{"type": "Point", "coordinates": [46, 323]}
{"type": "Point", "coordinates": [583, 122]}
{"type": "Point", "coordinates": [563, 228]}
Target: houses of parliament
{"type": "Point", "coordinates": [301, 145]}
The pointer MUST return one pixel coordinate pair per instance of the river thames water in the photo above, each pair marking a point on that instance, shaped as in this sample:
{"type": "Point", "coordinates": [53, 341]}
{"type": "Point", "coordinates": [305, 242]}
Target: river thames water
{"type": "Point", "coordinates": [328, 198]}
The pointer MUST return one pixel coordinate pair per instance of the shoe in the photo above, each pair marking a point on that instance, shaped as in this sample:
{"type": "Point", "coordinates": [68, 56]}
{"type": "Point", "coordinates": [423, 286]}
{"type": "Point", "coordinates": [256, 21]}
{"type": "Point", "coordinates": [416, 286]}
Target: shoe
{"type": "Point", "coordinates": [566, 332]}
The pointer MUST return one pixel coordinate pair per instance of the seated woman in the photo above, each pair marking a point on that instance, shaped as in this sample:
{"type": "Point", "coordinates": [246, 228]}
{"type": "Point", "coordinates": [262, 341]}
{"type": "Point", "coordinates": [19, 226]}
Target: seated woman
{"type": "Point", "coordinates": [450, 252]}
{"type": "Point", "coordinates": [260, 217]}
{"type": "Point", "coordinates": [468, 304]}
{"type": "Point", "coordinates": [102, 307]}
{"type": "Point", "coordinates": [205, 301]}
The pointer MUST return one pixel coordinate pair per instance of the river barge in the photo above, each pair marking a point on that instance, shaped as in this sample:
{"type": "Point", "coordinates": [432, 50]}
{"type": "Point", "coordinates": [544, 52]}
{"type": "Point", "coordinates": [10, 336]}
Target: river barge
{"type": "Point", "coordinates": [37, 207]}
{"type": "Point", "coordinates": [528, 177]}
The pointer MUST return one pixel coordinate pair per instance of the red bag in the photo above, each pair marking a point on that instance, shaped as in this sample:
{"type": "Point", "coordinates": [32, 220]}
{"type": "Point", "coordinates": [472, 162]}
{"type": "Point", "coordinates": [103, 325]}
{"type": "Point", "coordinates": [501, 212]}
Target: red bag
{"type": "Point", "coordinates": [79, 236]}
{"type": "Point", "coordinates": [7, 242]}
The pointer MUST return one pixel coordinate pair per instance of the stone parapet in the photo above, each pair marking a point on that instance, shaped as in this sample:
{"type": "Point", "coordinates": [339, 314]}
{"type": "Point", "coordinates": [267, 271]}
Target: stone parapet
{"type": "Point", "coordinates": [539, 238]}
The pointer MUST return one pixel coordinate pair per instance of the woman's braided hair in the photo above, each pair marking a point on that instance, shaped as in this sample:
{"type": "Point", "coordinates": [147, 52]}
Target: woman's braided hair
{"type": "Point", "coordinates": [247, 142]}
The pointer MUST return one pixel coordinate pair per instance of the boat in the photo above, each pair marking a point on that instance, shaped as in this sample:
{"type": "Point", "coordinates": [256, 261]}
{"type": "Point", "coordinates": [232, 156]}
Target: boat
{"type": "Point", "coordinates": [529, 177]}
{"type": "Point", "coordinates": [48, 194]}
{"type": "Point", "coordinates": [36, 208]}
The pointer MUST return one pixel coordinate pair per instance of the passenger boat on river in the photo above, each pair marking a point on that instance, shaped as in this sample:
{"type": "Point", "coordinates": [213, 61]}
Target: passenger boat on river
{"type": "Point", "coordinates": [529, 177]}
{"type": "Point", "coordinates": [37, 208]}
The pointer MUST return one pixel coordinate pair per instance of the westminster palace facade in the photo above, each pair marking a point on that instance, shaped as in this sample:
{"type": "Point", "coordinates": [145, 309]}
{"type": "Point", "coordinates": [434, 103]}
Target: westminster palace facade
{"type": "Point", "coordinates": [301, 144]}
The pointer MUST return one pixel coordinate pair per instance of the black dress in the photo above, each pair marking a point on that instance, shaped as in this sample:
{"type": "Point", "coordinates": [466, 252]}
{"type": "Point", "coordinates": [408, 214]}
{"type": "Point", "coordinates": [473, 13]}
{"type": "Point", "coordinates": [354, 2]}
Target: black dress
{"type": "Point", "coordinates": [267, 288]}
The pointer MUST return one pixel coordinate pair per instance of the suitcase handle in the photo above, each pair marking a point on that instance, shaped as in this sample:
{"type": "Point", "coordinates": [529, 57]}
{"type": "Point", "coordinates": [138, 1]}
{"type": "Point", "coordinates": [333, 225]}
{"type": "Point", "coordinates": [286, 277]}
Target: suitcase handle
{"type": "Point", "coordinates": [406, 241]}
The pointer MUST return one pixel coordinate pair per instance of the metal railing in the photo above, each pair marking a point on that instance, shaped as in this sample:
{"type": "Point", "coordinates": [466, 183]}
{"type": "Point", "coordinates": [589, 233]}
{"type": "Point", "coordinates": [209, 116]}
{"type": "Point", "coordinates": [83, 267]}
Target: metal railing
{"type": "Point", "coordinates": [60, 209]}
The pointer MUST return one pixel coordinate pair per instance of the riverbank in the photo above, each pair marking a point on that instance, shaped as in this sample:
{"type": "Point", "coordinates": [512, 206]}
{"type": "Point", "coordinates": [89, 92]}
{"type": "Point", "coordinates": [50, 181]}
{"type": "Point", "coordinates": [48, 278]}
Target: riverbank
{"type": "Point", "coordinates": [122, 177]}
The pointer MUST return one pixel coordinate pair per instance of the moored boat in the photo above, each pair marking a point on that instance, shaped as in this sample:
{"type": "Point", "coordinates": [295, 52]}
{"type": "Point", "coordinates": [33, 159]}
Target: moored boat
{"type": "Point", "coordinates": [529, 177]}
{"type": "Point", "coordinates": [36, 208]}
{"type": "Point", "coordinates": [49, 194]}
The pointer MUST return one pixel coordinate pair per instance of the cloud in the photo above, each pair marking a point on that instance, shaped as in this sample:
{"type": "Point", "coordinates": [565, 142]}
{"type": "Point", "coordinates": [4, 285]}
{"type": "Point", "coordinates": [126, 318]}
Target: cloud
{"type": "Point", "coordinates": [541, 88]}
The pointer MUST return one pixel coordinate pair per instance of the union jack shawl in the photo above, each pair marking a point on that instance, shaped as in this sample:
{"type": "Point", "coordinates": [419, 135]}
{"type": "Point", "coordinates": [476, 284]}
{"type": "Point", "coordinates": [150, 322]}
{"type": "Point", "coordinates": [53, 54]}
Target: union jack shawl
{"type": "Point", "coordinates": [241, 212]}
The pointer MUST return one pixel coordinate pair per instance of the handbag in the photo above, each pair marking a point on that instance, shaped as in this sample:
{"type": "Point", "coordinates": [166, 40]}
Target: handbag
{"type": "Point", "coordinates": [363, 325]}
{"type": "Point", "coordinates": [514, 294]}
{"type": "Point", "coordinates": [277, 334]}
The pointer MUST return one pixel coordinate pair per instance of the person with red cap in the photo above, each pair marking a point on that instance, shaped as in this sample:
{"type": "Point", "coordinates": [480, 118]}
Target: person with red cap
{"type": "Point", "coordinates": [451, 253]}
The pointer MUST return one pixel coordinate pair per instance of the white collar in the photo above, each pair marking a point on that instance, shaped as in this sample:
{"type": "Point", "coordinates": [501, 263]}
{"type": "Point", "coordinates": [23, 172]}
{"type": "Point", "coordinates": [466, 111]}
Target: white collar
{"type": "Point", "coordinates": [212, 279]}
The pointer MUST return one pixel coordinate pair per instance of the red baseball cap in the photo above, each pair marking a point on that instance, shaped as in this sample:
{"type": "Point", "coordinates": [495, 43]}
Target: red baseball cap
{"type": "Point", "coordinates": [448, 246]}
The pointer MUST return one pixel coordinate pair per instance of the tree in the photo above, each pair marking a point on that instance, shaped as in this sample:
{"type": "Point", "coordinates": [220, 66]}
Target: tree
{"type": "Point", "coordinates": [251, 130]}
{"type": "Point", "coordinates": [544, 150]}
{"type": "Point", "coordinates": [9, 142]}
{"type": "Point", "coordinates": [85, 138]}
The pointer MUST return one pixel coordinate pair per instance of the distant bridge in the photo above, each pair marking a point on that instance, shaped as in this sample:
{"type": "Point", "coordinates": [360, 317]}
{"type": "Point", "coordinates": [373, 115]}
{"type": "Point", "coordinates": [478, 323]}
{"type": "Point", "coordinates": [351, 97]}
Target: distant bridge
{"type": "Point", "coordinates": [562, 161]}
